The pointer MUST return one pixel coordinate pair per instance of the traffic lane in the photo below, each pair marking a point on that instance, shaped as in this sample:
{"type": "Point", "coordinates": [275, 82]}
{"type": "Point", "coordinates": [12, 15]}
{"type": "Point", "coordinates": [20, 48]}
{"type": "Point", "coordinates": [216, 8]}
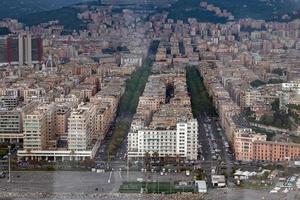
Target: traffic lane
{"type": "Point", "coordinates": [203, 139]}
{"type": "Point", "coordinates": [220, 139]}
{"type": "Point", "coordinates": [122, 151]}
{"type": "Point", "coordinates": [220, 142]}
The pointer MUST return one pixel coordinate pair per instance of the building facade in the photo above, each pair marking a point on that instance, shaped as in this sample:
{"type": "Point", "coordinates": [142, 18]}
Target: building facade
{"type": "Point", "coordinates": [250, 146]}
{"type": "Point", "coordinates": [181, 141]}
{"type": "Point", "coordinates": [79, 133]}
{"type": "Point", "coordinates": [20, 49]}
{"type": "Point", "coordinates": [35, 131]}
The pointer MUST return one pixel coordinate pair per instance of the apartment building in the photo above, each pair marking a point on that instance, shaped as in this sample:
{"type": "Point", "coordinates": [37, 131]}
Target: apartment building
{"type": "Point", "coordinates": [11, 122]}
{"type": "Point", "coordinates": [244, 139]}
{"type": "Point", "coordinates": [35, 131]}
{"type": "Point", "coordinates": [50, 112]}
{"type": "Point", "coordinates": [62, 115]}
{"type": "Point", "coordinates": [10, 125]}
{"type": "Point", "coordinates": [40, 135]}
{"type": "Point", "coordinates": [79, 130]}
{"type": "Point", "coordinates": [8, 102]}
{"type": "Point", "coordinates": [177, 141]}
{"type": "Point", "coordinates": [275, 151]}
{"type": "Point", "coordinates": [150, 102]}
{"type": "Point", "coordinates": [249, 98]}
{"type": "Point", "coordinates": [249, 146]}
{"type": "Point", "coordinates": [103, 121]}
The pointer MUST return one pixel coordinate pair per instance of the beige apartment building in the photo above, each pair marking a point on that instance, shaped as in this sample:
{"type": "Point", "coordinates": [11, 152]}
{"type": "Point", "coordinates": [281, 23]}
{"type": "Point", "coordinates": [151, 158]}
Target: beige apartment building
{"type": "Point", "coordinates": [103, 120]}
{"type": "Point", "coordinates": [152, 103]}
{"type": "Point", "coordinates": [50, 112]}
{"type": "Point", "coordinates": [62, 115]}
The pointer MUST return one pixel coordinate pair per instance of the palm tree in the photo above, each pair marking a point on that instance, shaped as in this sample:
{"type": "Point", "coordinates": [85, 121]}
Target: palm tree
{"type": "Point", "coordinates": [177, 160]}
{"type": "Point", "coordinates": [155, 155]}
{"type": "Point", "coordinates": [72, 152]}
{"type": "Point", "coordinates": [147, 160]}
{"type": "Point", "coordinates": [167, 158]}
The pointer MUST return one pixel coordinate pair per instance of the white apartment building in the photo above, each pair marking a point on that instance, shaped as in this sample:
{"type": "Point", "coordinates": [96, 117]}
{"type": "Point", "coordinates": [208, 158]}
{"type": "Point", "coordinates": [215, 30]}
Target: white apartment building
{"type": "Point", "coordinates": [79, 134]}
{"type": "Point", "coordinates": [35, 131]}
{"type": "Point", "coordinates": [91, 109]}
{"type": "Point", "coordinates": [79, 138]}
{"type": "Point", "coordinates": [82, 127]}
{"type": "Point", "coordinates": [187, 139]}
{"type": "Point", "coordinates": [180, 141]}
{"type": "Point", "coordinates": [290, 86]}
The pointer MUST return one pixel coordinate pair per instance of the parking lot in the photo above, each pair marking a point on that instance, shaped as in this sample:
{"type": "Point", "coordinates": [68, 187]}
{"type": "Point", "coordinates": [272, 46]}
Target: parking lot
{"type": "Point", "coordinates": [74, 181]}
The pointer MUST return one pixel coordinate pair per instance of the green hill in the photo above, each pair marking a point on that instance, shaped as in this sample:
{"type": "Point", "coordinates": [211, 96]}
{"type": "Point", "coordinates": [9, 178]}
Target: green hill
{"type": "Point", "coordinates": [256, 9]}
{"type": "Point", "coordinates": [67, 16]}
{"type": "Point", "coordinates": [18, 8]}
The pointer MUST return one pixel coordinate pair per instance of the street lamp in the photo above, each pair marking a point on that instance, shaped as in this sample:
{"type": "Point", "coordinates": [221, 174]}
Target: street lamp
{"type": "Point", "coordinates": [9, 154]}
{"type": "Point", "coordinates": [127, 169]}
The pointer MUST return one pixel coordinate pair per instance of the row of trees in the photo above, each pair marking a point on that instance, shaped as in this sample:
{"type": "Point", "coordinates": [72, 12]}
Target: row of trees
{"type": "Point", "coordinates": [155, 158]}
{"type": "Point", "coordinates": [148, 158]}
{"type": "Point", "coordinates": [257, 83]}
{"type": "Point", "coordinates": [200, 100]}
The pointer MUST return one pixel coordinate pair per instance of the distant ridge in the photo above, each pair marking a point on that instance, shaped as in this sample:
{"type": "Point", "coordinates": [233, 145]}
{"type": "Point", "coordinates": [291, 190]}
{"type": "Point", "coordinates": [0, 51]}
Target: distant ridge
{"type": "Point", "coordinates": [137, 2]}
{"type": "Point", "coordinates": [17, 8]}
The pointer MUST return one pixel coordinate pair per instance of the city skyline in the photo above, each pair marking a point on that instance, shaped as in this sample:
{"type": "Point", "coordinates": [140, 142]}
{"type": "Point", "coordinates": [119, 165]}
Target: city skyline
{"type": "Point", "coordinates": [122, 98]}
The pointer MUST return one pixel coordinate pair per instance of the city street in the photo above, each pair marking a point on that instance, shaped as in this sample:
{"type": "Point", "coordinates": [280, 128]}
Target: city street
{"type": "Point", "coordinates": [212, 151]}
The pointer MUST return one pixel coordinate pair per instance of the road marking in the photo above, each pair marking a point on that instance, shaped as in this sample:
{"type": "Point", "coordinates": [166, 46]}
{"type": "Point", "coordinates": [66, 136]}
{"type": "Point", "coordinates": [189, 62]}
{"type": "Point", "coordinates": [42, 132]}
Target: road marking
{"type": "Point", "coordinates": [109, 177]}
{"type": "Point", "coordinates": [120, 175]}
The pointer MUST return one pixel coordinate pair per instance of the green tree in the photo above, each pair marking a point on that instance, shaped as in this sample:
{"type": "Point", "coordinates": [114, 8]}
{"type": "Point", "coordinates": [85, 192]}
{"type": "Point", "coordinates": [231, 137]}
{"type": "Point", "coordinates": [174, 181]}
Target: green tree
{"type": "Point", "coordinates": [155, 156]}
{"type": "Point", "coordinates": [248, 112]}
{"type": "Point", "coordinates": [274, 81]}
{"type": "Point", "coordinates": [278, 71]}
{"type": "Point", "coordinates": [256, 83]}
{"type": "Point", "coordinates": [275, 105]}
{"type": "Point", "coordinates": [199, 174]}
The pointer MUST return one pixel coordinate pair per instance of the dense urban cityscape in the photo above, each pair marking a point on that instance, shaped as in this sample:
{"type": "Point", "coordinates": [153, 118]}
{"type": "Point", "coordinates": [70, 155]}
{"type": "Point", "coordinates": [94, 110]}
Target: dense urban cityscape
{"type": "Point", "coordinates": [117, 99]}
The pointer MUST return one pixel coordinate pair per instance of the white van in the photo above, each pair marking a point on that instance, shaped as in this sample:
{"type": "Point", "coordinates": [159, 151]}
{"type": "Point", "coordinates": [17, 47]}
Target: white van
{"type": "Point", "coordinates": [187, 173]}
